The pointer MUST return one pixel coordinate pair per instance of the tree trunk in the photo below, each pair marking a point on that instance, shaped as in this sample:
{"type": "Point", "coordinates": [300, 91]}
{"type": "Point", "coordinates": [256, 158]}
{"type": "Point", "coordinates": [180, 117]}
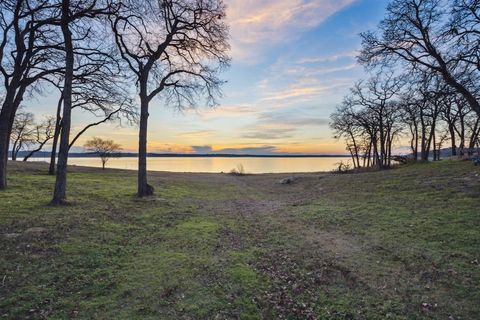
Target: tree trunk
{"type": "Point", "coordinates": [415, 142]}
{"type": "Point", "coordinates": [14, 151]}
{"type": "Point", "coordinates": [144, 189]}
{"type": "Point", "coordinates": [39, 148]}
{"type": "Point", "coordinates": [4, 143]}
{"type": "Point", "coordinates": [56, 135]}
{"type": "Point", "coordinates": [13, 98]}
{"type": "Point", "coordinates": [9, 108]}
{"type": "Point", "coordinates": [59, 194]}
{"type": "Point", "coordinates": [453, 139]}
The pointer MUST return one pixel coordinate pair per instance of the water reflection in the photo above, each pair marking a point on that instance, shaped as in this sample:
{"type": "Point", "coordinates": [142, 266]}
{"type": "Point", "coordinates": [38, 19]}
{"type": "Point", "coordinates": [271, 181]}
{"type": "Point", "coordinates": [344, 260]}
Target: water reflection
{"type": "Point", "coordinates": [217, 164]}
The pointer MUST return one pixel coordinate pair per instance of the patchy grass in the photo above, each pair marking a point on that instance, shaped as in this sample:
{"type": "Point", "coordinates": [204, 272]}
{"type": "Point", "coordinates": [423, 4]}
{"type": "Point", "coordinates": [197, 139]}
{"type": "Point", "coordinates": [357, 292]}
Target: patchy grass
{"type": "Point", "coordinates": [399, 244]}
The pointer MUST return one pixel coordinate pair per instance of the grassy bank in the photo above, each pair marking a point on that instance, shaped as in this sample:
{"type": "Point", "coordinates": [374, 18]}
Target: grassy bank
{"type": "Point", "coordinates": [399, 244]}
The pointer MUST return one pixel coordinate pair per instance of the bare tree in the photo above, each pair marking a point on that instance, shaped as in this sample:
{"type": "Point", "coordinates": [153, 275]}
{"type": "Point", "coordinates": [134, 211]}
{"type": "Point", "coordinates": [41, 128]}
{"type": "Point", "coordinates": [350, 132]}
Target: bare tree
{"type": "Point", "coordinates": [377, 96]}
{"type": "Point", "coordinates": [27, 55]}
{"type": "Point", "coordinates": [173, 48]}
{"type": "Point", "coordinates": [102, 94]}
{"type": "Point", "coordinates": [79, 18]}
{"type": "Point", "coordinates": [22, 132]}
{"type": "Point", "coordinates": [414, 32]}
{"type": "Point", "coordinates": [345, 125]}
{"type": "Point", "coordinates": [59, 193]}
{"type": "Point", "coordinates": [370, 120]}
{"type": "Point", "coordinates": [105, 149]}
{"type": "Point", "coordinates": [56, 135]}
{"type": "Point", "coordinates": [43, 133]}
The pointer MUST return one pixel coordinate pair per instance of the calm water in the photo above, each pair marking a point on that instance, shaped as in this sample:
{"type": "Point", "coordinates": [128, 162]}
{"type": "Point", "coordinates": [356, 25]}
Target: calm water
{"type": "Point", "coordinates": [207, 164]}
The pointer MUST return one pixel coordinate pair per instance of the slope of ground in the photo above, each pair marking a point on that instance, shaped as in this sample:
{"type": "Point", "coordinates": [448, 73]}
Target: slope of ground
{"type": "Point", "coordinates": [399, 244]}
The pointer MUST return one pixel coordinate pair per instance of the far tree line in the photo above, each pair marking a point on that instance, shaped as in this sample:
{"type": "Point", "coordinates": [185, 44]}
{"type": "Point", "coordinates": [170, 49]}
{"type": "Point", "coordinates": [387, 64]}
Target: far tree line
{"type": "Point", "coordinates": [102, 56]}
{"type": "Point", "coordinates": [424, 66]}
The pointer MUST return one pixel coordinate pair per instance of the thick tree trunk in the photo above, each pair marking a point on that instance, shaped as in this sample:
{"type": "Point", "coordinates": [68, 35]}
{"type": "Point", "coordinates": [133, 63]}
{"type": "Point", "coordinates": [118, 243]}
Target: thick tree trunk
{"type": "Point", "coordinates": [4, 143]}
{"type": "Point", "coordinates": [59, 194]}
{"type": "Point", "coordinates": [56, 135]}
{"type": "Point", "coordinates": [144, 189]}
{"type": "Point", "coordinates": [13, 98]}
{"type": "Point", "coordinates": [464, 92]}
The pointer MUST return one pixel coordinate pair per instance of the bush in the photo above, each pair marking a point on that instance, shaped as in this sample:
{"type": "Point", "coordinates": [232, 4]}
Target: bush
{"type": "Point", "coordinates": [238, 171]}
{"type": "Point", "coordinates": [342, 167]}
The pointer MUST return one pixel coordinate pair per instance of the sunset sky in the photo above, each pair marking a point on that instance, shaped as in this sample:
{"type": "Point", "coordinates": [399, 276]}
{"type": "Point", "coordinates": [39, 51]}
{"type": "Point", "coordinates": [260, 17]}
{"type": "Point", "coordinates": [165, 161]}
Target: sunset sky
{"type": "Point", "coordinates": [293, 60]}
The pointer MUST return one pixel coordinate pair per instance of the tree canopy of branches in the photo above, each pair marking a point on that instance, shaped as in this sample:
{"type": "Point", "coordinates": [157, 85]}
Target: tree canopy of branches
{"type": "Point", "coordinates": [22, 132]}
{"type": "Point", "coordinates": [436, 36]}
{"type": "Point", "coordinates": [368, 120]}
{"type": "Point", "coordinates": [43, 132]}
{"type": "Point", "coordinates": [81, 20]}
{"type": "Point", "coordinates": [27, 56]}
{"type": "Point", "coordinates": [174, 49]}
{"type": "Point", "coordinates": [434, 46]}
{"type": "Point", "coordinates": [105, 149]}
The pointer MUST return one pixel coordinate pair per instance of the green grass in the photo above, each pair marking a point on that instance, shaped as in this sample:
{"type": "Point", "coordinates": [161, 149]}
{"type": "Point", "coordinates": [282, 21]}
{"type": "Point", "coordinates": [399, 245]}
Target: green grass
{"type": "Point", "coordinates": [399, 244]}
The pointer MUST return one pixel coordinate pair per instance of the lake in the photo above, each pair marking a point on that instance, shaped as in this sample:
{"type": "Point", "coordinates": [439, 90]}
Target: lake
{"type": "Point", "coordinates": [217, 164]}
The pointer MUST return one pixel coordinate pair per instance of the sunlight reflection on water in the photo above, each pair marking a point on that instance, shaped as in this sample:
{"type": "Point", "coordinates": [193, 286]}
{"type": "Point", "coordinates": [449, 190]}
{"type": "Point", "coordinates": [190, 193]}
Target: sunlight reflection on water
{"type": "Point", "coordinates": [217, 164]}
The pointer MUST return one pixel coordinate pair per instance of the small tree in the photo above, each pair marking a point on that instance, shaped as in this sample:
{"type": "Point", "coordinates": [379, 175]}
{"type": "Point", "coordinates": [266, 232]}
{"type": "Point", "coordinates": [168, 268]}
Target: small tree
{"type": "Point", "coordinates": [42, 133]}
{"type": "Point", "coordinates": [22, 132]}
{"type": "Point", "coordinates": [105, 149]}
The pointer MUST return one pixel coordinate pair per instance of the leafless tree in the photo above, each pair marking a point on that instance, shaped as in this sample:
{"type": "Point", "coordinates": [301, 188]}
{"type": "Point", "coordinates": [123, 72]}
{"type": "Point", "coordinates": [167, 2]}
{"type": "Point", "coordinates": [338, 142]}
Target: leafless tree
{"type": "Point", "coordinates": [377, 96]}
{"type": "Point", "coordinates": [79, 23]}
{"type": "Point", "coordinates": [345, 125]}
{"type": "Point", "coordinates": [105, 149]}
{"type": "Point", "coordinates": [27, 55]}
{"type": "Point", "coordinates": [22, 132]}
{"type": "Point", "coordinates": [43, 133]}
{"type": "Point", "coordinates": [174, 49]}
{"type": "Point", "coordinates": [101, 93]}
{"type": "Point", "coordinates": [370, 120]}
{"type": "Point", "coordinates": [415, 32]}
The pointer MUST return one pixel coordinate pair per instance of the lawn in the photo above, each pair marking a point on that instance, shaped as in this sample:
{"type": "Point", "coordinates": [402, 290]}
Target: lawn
{"type": "Point", "coordinates": [398, 244]}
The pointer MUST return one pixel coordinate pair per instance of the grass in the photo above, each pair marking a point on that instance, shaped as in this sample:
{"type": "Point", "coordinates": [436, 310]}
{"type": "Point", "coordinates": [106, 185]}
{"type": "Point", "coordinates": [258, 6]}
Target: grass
{"type": "Point", "coordinates": [399, 244]}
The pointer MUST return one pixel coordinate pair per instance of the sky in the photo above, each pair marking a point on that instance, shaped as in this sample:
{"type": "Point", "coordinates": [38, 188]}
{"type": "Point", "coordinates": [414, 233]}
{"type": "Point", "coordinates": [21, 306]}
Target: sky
{"type": "Point", "coordinates": [292, 63]}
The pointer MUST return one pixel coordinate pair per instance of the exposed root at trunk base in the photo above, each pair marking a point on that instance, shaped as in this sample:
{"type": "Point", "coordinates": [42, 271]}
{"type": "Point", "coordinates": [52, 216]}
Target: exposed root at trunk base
{"type": "Point", "coordinates": [147, 191]}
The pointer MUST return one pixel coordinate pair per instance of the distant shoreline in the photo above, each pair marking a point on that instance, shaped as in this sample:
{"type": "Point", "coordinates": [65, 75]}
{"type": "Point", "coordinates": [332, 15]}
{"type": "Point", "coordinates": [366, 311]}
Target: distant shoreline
{"type": "Point", "coordinates": [184, 155]}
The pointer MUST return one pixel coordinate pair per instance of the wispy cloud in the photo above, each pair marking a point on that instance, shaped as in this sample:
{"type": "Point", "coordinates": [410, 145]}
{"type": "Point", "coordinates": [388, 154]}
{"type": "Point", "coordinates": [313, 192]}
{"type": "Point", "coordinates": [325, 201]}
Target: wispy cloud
{"type": "Point", "coordinates": [263, 133]}
{"type": "Point", "coordinates": [280, 125]}
{"type": "Point", "coordinates": [225, 111]}
{"type": "Point", "coordinates": [299, 92]}
{"type": "Point", "coordinates": [259, 24]}
{"type": "Point", "coordinates": [196, 134]}
{"type": "Point", "coordinates": [329, 58]}
{"type": "Point", "coordinates": [260, 150]}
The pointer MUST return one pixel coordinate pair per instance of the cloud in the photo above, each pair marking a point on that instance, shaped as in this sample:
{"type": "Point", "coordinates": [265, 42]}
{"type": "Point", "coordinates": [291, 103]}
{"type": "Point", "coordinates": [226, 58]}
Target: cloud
{"type": "Point", "coordinates": [261, 150]}
{"type": "Point", "coordinates": [269, 134]}
{"type": "Point", "coordinates": [281, 125]}
{"type": "Point", "coordinates": [225, 111]}
{"type": "Point", "coordinates": [202, 149]}
{"type": "Point", "coordinates": [299, 92]}
{"type": "Point", "coordinates": [330, 58]}
{"type": "Point", "coordinates": [196, 134]}
{"type": "Point", "coordinates": [259, 24]}
{"type": "Point", "coordinates": [287, 119]}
